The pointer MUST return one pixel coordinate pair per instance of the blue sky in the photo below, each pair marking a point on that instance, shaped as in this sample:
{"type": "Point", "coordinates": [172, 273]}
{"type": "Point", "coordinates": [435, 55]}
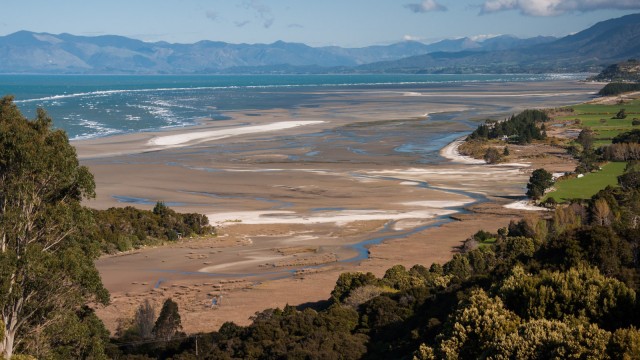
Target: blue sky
{"type": "Point", "coordinates": [350, 23]}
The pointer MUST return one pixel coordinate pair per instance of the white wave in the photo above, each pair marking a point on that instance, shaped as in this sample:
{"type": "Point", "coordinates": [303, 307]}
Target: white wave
{"type": "Point", "coordinates": [491, 78]}
{"type": "Point", "coordinates": [130, 117]}
{"type": "Point", "coordinates": [98, 130]}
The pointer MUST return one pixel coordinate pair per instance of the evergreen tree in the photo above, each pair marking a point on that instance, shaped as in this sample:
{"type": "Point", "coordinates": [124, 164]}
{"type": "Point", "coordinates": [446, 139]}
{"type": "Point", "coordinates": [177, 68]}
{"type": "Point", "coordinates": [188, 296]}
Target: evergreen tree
{"type": "Point", "coordinates": [169, 322]}
{"type": "Point", "coordinates": [539, 181]}
{"type": "Point", "coordinates": [46, 264]}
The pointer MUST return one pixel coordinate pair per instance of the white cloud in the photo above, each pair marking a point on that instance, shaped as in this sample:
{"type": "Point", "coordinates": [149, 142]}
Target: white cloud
{"type": "Point", "coordinates": [241, 23]}
{"type": "Point", "coordinates": [482, 37]}
{"type": "Point", "coordinates": [425, 6]}
{"type": "Point", "coordinates": [556, 7]}
{"type": "Point", "coordinates": [411, 38]}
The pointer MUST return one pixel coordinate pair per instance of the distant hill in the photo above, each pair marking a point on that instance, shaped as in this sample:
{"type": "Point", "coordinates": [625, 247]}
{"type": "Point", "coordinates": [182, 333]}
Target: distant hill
{"type": "Point", "coordinates": [29, 52]}
{"type": "Point", "coordinates": [589, 50]}
{"type": "Point", "coordinates": [627, 71]}
{"type": "Point", "coordinates": [502, 42]}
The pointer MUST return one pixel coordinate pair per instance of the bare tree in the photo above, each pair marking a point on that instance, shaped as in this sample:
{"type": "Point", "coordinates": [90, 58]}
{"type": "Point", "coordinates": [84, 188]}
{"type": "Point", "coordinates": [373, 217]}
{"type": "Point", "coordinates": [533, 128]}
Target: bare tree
{"type": "Point", "coordinates": [145, 319]}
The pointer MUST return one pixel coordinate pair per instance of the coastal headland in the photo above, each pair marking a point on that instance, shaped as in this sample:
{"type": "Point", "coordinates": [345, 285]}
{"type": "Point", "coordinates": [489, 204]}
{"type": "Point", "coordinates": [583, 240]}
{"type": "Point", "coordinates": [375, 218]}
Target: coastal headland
{"type": "Point", "coordinates": [355, 180]}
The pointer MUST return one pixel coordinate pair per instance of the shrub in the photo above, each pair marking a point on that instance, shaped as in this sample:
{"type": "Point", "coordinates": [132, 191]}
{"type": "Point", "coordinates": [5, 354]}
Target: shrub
{"type": "Point", "coordinates": [492, 156]}
{"type": "Point", "coordinates": [621, 114]}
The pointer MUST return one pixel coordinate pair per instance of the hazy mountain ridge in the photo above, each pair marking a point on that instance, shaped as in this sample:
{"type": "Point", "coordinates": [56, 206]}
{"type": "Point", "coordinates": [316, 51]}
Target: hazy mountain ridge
{"type": "Point", "coordinates": [606, 42]}
{"type": "Point", "coordinates": [592, 49]}
{"type": "Point", "coordinates": [28, 52]}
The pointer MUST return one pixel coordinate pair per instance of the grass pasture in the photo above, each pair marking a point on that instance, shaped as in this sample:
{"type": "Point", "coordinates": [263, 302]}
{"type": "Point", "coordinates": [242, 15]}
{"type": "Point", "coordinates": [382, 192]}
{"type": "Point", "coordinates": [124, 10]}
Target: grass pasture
{"type": "Point", "coordinates": [599, 118]}
{"type": "Point", "coordinates": [588, 185]}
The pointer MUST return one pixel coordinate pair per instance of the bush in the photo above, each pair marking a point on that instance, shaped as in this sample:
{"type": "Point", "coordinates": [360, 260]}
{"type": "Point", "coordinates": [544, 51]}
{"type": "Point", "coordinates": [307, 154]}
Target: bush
{"type": "Point", "coordinates": [127, 228]}
{"type": "Point", "coordinates": [492, 156]}
{"type": "Point", "coordinates": [621, 114]}
{"type": "Point", "coordinates": [632, 136]}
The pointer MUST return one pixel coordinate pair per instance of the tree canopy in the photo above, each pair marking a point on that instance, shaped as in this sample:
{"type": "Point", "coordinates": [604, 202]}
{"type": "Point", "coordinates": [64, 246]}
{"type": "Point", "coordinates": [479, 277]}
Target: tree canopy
{"type": "Point", "coordinates": [521, 128]}
{"type": "Point", "coordinates": [539, 181]}
{"type": "Point", "coordinates": [46, 260]}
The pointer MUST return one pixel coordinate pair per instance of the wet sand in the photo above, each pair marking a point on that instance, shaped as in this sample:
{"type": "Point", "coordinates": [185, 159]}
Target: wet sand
{"type": "Point", "coordinates": [352, 182]}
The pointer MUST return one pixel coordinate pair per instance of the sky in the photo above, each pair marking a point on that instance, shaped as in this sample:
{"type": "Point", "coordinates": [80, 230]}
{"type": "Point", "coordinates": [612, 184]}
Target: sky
{"type": "Point", "coordinates": [347, 23]}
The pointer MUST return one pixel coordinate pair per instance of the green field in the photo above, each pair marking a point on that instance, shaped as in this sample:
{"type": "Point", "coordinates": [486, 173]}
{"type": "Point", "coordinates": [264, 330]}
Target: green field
{"type": "Point", "coordinates": [589, 185]}
{"type": "Point", "coordinates": [599, 119]}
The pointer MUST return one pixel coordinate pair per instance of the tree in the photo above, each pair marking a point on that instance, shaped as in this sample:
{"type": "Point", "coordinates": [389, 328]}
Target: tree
{"type": "Point", "coordinates": [585, 138]}
{"type": "Point", "coordinates": [46, 262]}
{"type": "Point", "coordinates": [629, 180]}
{"type": "Point", "coordinates": [492, 156]}
{"type": "Point", "coordinates": [539, 181]}
{"type": "Point", "coordinates": [582, 292]}
{"type": "Point", "coordinates": [169, 322]}
{"type": "Point", "coordinates": [632, 136]}
{"type": "Point", "coordinates": [621, 114]}
{"type": "Point", "coordinates": [144, 319]}
{"type": "Point", "coordinates": [347, 282]}
{"type": "Point", "coordinates": [601, 212]}
{"type": "Point", "coordinates": [475, 327]}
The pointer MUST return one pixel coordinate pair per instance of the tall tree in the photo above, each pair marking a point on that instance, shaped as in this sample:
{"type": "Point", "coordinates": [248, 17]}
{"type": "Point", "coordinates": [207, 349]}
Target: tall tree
{"type": "Point", "coordinates": [539, 181]}
{"type": "Point", "coordinates": [169, 322]}
{"type": "Point", "coordinates": [145, 319]}
{"type": "Point", "coordinates": [46, 263]}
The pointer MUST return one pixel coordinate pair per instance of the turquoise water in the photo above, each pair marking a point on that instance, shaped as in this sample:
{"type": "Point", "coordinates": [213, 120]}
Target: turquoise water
{"type": "Point", "coordinates": [89, 106]}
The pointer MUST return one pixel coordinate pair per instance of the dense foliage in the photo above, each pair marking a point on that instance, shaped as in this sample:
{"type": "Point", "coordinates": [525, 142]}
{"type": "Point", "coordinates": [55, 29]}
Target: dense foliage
{"type": "Point", "coordinates": [612, 89]}
{"type": "Point", "coordinates": [539, 181]}
{"type": "Point", "coordinates": [521, 128]}
{"type": "Point", "coordinates": [625, 146]}
{"type": "Point", "coordinates": [632, 136]}
{"type": "Point", "coordinates": [121, 229]}
{"type": "Point", "coordinates": [47, 273]}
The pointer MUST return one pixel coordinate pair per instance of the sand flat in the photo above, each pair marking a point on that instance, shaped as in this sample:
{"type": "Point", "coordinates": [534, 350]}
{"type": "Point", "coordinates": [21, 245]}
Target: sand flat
{"type": "Point", "coordinates": [365, 164]}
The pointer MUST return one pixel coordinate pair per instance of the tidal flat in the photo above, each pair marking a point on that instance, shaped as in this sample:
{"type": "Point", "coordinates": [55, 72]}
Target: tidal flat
{"type": "Point", "coordinates": [359, 184]}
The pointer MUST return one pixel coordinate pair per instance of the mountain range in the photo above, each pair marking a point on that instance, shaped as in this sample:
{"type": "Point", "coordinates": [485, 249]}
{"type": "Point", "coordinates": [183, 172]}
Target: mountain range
{"type": "Point", "coordinates": [589, 50]}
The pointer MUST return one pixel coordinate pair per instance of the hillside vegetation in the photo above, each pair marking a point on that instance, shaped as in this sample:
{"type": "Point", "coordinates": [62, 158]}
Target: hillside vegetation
{"type": "Point", "coordinates": [623, 72]}
{"type": "Point", "coordinates": [122, 229]}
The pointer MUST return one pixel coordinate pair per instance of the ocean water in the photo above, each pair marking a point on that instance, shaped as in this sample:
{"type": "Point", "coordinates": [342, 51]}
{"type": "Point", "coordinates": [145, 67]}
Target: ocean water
{"type": "Point", "coordinates": [90, 106]}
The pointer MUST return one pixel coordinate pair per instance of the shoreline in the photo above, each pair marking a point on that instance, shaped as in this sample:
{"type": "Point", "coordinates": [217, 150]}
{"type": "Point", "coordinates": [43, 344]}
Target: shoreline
{"type": "Point", "coordinates": [299, 201]}
{"type": "Point", "coordinates": [451, 152]}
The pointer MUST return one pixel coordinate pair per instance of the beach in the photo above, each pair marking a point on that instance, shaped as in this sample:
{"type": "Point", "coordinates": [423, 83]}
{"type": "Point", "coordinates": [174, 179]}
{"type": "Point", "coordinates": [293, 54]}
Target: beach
{"type": "Point", "coordinates": [355, 180]}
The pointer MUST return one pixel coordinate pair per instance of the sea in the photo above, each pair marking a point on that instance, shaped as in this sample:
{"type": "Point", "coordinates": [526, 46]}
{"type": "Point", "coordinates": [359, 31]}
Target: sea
{"type": "Point", "coordinates": [91, 106]}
